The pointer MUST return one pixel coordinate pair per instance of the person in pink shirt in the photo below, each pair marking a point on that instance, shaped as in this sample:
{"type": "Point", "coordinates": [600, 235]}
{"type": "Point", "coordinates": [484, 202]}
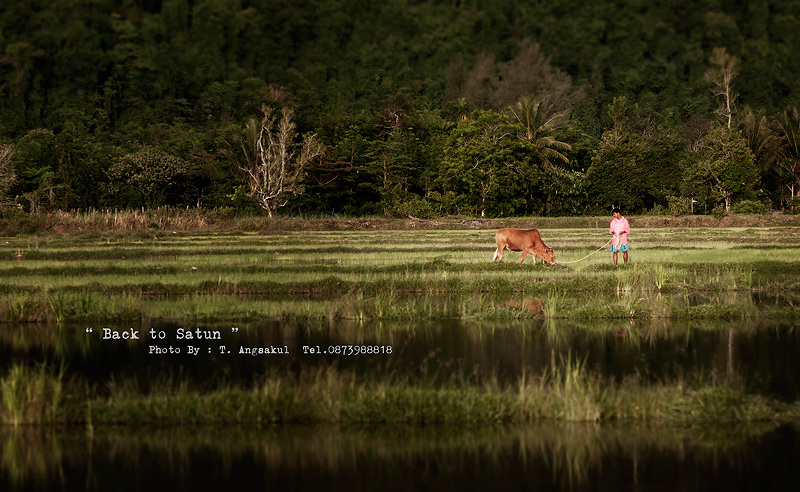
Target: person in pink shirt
{"type": "Point", "coordinates": [620, 230]}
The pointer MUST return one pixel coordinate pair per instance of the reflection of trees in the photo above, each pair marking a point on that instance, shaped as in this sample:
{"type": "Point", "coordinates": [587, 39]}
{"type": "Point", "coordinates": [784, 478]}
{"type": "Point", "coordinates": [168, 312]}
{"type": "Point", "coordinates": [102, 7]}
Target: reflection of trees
{"type": "Point", "coordinates": [543, 456]}
{"type": "Point", "coordinates": [440, 350]}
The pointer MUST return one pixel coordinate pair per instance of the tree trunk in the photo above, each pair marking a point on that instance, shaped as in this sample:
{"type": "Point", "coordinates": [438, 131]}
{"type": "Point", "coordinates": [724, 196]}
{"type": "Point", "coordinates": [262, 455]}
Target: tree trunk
{"type": "Point", "coordinates": [266, 206]}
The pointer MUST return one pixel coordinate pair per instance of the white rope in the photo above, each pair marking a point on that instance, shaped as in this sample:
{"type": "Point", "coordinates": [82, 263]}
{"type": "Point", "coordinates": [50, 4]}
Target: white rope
{"type": "Point", "coordinates": [590, 254]}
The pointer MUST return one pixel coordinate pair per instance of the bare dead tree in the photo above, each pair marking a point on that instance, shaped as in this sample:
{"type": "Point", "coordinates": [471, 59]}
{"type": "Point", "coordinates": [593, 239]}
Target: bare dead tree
{"type": "Point", "coordinates": [694, 131]}
{"type": "Point", "coordinates": [46, 190]}
{"type": "Point", "coordinates": [721, 75]}
{"type": "Point", "coordinates": [277, 172]}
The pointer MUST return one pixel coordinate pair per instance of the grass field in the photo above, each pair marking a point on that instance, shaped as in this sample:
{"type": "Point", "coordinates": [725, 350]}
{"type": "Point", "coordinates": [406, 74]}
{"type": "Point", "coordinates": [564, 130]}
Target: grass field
{"type": "Point", "coordinates": [404, 274]}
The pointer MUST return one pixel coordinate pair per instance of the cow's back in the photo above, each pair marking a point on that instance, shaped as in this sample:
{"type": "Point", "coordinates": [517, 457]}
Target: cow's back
{"type": "Point", "coordinates": [517, 239]}
{"type": "Point", "coordinates": [534, 236]}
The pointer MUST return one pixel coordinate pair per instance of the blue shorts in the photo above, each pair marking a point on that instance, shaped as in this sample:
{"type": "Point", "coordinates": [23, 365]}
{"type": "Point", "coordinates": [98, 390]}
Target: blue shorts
{"type": "Point", "coordinates": [622, 247]}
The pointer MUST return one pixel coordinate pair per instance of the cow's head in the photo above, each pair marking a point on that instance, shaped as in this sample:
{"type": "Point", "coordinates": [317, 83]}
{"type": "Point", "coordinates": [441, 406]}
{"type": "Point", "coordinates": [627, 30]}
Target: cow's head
{"type": "Point", "coordinates": [549, 256]}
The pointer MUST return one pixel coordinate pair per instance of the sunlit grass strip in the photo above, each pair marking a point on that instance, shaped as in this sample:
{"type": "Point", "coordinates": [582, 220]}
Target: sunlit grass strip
{"type": "Point", "coordinates": [413, 277]}
{"type": "Point", "coordinates": [317, 251]}
{"type": "Point", "coordinates": [382, 304]}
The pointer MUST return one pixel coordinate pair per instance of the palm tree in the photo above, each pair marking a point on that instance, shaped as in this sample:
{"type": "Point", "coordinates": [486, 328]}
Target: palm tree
{"type": "Point", "coordinates": [789, 157]}
{"type": "Point", "coordinates": [763, 141]}
{"type": "Point", "coordinates": [540, 122]}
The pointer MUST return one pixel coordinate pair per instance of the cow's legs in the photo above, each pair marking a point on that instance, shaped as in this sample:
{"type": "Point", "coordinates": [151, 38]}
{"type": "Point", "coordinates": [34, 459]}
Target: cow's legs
{"type": "Point", "coordinates": [497, 254]}
{"type": "Point", "coordinates": [525, 252]}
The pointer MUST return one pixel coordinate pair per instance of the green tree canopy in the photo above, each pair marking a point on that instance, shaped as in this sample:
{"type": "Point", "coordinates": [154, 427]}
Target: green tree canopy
{"type": "Point", "coordinates": [726, 171]}
{"type": "Point", "coordinates": [492, 169]}
{"type": "Point", "coordinates": [149, 177]}
{"type": "Point", "coordinates": [637, 164]}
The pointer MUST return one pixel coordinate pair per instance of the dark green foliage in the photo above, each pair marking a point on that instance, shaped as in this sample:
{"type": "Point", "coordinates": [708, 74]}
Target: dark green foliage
{"type": "Point", "coordinates": [750, 207]}
{"type": "Point", "coordinates": [149, 177]}
{"type": "Point", "coordinates": [85, 82]}
{"type": "Point", "coordinates": [637, 164]}
{"type": "Point", "coordinates": [726, 169]}
{"type": "Point", "coordinates": [487, 164]}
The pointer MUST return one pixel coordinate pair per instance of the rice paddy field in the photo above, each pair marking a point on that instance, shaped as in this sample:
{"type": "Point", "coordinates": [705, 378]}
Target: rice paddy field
{"type": "Point", "coordinates": [685, 360]}
{"type": "Point", "coordinates": [710, 273]}
{"type": "Point", "coordinates": [62, 292]}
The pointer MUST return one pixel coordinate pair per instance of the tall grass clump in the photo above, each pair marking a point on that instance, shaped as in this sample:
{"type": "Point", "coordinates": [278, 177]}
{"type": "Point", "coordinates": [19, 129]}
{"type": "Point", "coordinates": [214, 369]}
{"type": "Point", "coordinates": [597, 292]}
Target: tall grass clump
{"type": "Point", "coordinates": [86, 303]}
{"type": "Point", "coordinates": [18, 308]}
{"type": "Point", "coordinates": [60, 306]}
{"type": "Point", "coordinates": [403, 402]}
{"type": "Point", "coordinates": [159, 218]}
{"type": "Point", "coordinates": [726, 278]}
{"type": "Point", "coordinates": [575, 390]}
{"type": "Point", "coordinates": [30, 396]}
{"type": "Point", "coordinates": [663, 277]}
{"type": "Point", "coordinates": [743, 278]}
{"type": "Point", "coordinates": [554, 305]}
{"type": "Point", "coordinates": [567, 391]}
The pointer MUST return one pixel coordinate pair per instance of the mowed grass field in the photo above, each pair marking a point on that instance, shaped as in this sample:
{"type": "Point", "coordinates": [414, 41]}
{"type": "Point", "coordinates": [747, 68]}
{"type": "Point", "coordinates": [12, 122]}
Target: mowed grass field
{"type": "Point", "coordinates": [673, 273]}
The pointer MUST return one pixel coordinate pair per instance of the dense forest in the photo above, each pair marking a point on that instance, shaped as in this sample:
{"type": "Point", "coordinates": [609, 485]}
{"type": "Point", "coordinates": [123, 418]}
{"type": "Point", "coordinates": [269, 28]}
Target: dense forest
{"type": "Point", "coordinates": [400, 107]}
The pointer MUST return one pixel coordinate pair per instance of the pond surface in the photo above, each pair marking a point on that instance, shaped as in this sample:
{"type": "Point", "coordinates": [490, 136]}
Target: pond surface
{"type": "Point", "coordinates": [763, 357]}
{"type": "Point", "coordinates": [538, 457]}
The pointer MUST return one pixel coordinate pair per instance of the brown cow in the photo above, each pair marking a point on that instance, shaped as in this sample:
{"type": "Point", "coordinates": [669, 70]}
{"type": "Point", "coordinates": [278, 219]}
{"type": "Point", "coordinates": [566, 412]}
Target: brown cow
{"type": "Point", "coordinates": [526, 241]}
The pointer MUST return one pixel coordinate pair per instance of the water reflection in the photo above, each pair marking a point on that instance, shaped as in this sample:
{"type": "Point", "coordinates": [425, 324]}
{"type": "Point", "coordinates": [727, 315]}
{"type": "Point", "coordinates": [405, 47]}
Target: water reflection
{"type": "Point", "coordinates": [536, 457]}
{"type": "Point", "coordinates": [762, 356]}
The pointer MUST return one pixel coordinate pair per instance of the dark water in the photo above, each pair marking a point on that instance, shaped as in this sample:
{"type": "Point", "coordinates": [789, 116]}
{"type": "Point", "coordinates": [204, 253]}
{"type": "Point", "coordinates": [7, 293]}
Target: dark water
{"type": "Point", "coordinates": [764, 358]}
{"type": "Point", "coordinates": [543, 457]}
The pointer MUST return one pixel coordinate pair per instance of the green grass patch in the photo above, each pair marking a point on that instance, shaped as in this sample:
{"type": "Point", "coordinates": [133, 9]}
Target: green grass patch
{"type": "Point", "coordinates": [113, 276]}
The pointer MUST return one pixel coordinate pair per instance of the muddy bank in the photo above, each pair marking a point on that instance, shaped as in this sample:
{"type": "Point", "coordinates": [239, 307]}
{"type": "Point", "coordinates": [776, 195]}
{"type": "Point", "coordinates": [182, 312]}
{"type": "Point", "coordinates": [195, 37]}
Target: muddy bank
{"type": "Point", "coordinates": [222, 221]}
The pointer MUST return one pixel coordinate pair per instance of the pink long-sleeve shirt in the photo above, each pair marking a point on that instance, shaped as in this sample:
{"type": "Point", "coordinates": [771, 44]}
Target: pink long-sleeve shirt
{"type": "Point", "coordinates": [618, 226]}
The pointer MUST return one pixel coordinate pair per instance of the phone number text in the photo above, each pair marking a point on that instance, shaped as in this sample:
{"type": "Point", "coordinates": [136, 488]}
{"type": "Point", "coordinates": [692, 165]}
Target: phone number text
{"type": "Point", "coordinates": [347, 350]}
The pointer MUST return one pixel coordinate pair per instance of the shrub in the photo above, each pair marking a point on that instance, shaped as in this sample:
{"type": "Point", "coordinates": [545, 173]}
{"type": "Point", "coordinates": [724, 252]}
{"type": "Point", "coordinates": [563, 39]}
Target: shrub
{"type": "Point", "coordinates": [750, 207]}
{"type": "Point", "coordinates": [795, 205]}
{"type": "Point", "coordinates": [658, 210]}
{"type": "Point", "coordinates": [416, 206]}
{"type": "Point", "coordinates": [679, 205]}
